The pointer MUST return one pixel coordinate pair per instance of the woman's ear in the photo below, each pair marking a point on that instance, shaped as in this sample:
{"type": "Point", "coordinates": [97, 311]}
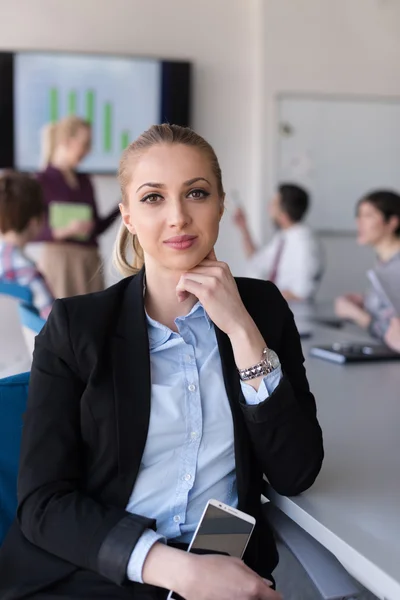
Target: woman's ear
{"type": "Point", "coordinates": [394, 223]}
{"type": "Point", "coordinates": [126, 219]}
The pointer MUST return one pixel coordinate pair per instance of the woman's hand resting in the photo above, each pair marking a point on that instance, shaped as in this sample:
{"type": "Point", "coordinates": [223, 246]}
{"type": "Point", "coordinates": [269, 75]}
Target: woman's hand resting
{"type": "Point", "coordinates": [224, 578]}
{"type": "Point", "coordinates": [349, 307]}
{"type": "Point", "coordinates": [76, 229]}
{"type": "Point", "coordinates": [204, 577]}
{"type": "Point", "coordinates": [392, 337]}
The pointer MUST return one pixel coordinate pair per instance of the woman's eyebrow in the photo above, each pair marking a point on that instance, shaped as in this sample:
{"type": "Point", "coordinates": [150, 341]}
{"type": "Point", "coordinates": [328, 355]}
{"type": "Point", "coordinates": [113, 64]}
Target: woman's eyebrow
{"type": "Point", "coordinates": [161, 185]}
{"type": "Point", "coordinates": [151, 184]}
{"type": "Point", "coordinates": [192, 181]}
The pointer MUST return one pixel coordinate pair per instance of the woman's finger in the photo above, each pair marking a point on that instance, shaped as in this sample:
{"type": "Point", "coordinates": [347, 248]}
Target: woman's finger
{"type": "Point", "coordinates": [202, 278]}
{"type": "Point", "coordinates": [188, 286]}
{"type": "Point", "coordinates": [213, 263]}
{"type": "Point", "coordinates": [206, 269]}
{"type": "Point", "coordinates": [182, 295]}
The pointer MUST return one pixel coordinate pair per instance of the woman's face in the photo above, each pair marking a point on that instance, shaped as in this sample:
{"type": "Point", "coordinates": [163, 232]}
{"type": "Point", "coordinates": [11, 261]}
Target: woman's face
{"type": "Point", "coordinates": [173, 206]}
{"type": "Point", "coordinates": [79, 146]}
{"type": "Point", "coordinates": [372, 226]}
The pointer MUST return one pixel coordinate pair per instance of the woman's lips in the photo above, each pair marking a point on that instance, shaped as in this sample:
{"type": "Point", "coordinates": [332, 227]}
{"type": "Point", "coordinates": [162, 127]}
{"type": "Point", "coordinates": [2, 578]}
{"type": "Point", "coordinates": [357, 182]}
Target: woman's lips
{"type": "Point", "coordinates": [181, 242]}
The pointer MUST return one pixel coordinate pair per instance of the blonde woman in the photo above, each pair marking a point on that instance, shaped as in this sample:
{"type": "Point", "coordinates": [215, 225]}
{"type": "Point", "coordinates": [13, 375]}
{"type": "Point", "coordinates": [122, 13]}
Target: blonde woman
{"type": "Point", "coordinates": [70, 260]}
{"type": "Point", "coordinates": [144, 404]}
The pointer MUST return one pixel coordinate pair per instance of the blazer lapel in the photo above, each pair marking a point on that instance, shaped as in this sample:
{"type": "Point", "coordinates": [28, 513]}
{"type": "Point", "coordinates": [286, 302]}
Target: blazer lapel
{"type": "Point", "coordinates": [234, 392]}
{"type": "Point", "coordinates": [132, 383]}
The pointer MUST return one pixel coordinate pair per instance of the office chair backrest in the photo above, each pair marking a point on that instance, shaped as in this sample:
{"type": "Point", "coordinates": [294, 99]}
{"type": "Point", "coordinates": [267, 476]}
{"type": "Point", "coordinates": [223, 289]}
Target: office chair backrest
{"type": "Point", "coordinates": [13, 396]}
{"type": "Point", "coordinates": [31, 325]}
{"type": "Point", "coordinates": [20, 292]}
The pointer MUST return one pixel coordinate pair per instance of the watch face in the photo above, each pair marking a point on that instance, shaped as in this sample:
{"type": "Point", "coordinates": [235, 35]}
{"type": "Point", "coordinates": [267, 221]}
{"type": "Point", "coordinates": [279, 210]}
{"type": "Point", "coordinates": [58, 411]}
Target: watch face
{"type": "Point", "coordinates": [273, 359]}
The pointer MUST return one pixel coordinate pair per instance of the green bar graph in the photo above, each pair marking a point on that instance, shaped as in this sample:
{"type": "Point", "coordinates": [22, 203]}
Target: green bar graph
{"type": "Point", "coordinates": [125, 137]}
{"type": "Point", "coordinates": [107, 116]}
{"type": "Point", "coordinates": [53, 103]}
{"type": "Point", "coordinates": [90, 106]}
{"type": "Point", "coordinates": [69, 106]}
{"type": "Point", "coordinates": [72, 102]}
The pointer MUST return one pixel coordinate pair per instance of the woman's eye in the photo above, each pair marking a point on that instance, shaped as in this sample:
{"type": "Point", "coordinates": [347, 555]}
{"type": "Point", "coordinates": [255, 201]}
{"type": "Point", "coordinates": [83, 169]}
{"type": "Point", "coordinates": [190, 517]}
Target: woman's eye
{"type": "Point", "coordinates": [151, 198]}
{"type": "Point", "coordinates": [198, 194]}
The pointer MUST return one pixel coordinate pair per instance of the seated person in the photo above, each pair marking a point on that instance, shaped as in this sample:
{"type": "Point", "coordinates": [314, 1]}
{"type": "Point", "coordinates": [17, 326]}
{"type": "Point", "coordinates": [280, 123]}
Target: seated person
{"type": "Point", "coordinates": [392, 336]}
{"type": "Point", "coordinates": [21, 218]}
{"type": "Point", "coordinates": [292, 260]}
{"type": "Point", "coordinates": [378, 224]}
{"type": "Point", "coordinates": [146, 400]}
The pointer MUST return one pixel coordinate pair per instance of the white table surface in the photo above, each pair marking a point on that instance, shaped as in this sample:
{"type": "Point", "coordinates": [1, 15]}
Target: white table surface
{"type": "Point", "coordinates": [353, 509]}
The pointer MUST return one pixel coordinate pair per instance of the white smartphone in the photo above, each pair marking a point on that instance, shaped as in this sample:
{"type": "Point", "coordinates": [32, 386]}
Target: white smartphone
{"type": "Point", "coordinates": [221, 530]}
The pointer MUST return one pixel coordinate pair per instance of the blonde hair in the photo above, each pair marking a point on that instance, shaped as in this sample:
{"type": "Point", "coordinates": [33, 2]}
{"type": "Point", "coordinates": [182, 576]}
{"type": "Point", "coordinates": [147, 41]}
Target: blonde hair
{"type": "Point", "coordinates": [55, 133]}
{"type": "Point", "coordinates": [157, 134]}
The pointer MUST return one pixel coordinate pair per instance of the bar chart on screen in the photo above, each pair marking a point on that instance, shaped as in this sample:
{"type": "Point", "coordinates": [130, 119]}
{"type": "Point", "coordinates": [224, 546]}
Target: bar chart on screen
{"type": "Point", "coordinates": [106, 113]}
{"type": "Point", "coordinates": [119, 97]}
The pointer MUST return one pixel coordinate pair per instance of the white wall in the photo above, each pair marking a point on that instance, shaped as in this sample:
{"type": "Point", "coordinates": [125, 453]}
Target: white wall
{"type": "Point", "coordinates": [217, 35]}
{"type": "Point", "coordinates": [329, 46]}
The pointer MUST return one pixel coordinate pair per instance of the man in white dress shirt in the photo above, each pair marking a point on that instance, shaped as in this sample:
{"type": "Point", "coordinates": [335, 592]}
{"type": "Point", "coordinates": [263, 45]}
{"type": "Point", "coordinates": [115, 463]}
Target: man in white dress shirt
{"type": "Point", "coordinates": [293, 258]}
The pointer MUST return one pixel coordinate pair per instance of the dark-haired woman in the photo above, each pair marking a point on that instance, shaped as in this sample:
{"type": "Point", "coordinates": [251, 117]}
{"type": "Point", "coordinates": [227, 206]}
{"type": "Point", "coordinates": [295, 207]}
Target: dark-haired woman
{"type": "Point", "coordinates": [378, 224]}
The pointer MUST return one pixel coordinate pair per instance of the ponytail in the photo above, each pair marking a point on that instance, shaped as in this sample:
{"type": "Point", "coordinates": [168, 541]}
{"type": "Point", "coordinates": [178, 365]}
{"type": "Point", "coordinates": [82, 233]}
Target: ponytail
{"type": "Point", "coordinates": [127, 242]}
{"type": "Point", "coordinates": [48, 143]}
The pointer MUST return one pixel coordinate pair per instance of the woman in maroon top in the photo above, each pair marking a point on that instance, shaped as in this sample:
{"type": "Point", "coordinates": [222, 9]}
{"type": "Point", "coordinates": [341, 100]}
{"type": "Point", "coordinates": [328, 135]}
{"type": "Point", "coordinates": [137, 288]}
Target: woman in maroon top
{"type": "Point", "coordinates": [70, 260]}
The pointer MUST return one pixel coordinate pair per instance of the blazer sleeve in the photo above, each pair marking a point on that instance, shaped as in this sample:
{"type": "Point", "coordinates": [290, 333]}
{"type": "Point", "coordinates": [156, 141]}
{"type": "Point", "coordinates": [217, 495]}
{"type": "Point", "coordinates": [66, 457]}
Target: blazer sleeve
{"type": "Point", "coordinates": [284, 430]}
{"type": "Point", "coordinates": [54, 511]}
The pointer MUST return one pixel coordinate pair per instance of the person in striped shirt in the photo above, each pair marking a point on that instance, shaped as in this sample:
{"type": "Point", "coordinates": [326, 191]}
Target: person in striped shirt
{"type": "Point", "coordinates": [21, 219]}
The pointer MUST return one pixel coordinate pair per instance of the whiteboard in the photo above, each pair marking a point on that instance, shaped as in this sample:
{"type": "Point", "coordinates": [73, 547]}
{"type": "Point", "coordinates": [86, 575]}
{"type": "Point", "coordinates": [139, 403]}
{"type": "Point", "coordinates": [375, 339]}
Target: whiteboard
{"type": "Point", "coordinates": [339, 148]}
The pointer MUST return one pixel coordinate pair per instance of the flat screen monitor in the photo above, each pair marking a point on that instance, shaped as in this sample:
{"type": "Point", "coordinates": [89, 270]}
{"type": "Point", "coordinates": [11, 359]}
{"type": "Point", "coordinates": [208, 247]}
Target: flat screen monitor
{"type": "Point", "coordinates": [119, 96]}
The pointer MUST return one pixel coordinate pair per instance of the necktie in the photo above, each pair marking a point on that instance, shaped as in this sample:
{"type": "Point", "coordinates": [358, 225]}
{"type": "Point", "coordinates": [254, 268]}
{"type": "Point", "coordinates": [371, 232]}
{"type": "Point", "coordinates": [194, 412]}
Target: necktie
{"type": "Point", "coordinates": [277, 259]}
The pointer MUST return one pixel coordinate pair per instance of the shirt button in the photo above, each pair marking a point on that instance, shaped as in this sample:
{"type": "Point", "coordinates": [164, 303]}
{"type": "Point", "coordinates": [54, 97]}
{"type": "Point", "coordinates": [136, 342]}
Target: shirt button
{"type": "Point", "coordinates": [193, 435]}
{"type": "Point", "coordinates": [177, 518]}
{"type": "Point", "coordinates": [188, 477]}
{"type": "Point", "coordinates": [188, 358]}
{"type": "Point", "coordinates": [191, 387]}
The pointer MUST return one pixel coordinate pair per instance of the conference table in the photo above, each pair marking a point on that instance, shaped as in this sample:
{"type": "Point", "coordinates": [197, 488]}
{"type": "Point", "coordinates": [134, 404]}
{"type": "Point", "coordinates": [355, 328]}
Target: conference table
{"type": "Point", "coordinates": [353, 509]}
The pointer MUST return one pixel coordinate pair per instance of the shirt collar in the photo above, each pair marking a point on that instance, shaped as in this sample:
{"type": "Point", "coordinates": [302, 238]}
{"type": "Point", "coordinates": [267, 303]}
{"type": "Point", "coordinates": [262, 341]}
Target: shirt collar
{"type": "Point", "coordinates": [159, 333]}
{"type": "Point", "coordinates": [394, 258]}
{"type": "Point", "coordinates": [293, 229]}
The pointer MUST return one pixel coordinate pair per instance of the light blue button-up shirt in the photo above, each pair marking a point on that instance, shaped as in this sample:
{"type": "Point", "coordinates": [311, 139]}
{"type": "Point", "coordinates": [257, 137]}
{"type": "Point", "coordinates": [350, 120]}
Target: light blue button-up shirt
{"type": "Point", "coordinates": [189, 454]}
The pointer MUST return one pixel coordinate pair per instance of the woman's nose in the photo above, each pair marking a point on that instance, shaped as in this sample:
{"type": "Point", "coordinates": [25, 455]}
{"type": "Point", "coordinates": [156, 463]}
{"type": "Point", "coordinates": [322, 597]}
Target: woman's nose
{"type": "Point", "coordinates": [178, 215]}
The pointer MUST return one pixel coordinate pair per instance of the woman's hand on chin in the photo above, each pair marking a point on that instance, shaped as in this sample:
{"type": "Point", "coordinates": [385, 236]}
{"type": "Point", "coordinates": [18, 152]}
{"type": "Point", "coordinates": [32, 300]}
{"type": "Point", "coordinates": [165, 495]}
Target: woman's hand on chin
{"type": "Point", "coordinates": [213, 284]}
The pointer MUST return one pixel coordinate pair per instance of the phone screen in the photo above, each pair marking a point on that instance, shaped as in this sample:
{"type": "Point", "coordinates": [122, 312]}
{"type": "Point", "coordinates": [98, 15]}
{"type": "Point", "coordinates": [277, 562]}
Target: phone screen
{"type": "Point", "coordinates": [220, 532]}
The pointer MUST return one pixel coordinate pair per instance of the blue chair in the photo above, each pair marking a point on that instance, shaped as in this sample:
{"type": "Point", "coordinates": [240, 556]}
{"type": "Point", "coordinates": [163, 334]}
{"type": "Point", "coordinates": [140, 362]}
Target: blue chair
{"type": "Point", "coordinates": [13, 396]}
{"type": "Point", "coordinates": [13, 356]}
{"type": "Point", "coordinates": [20, 292]}
{"type": "Point", "coordinates": [31, 323]}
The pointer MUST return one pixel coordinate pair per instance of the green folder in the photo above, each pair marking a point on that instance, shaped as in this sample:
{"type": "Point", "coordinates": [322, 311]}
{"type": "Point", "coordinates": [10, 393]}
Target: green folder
{"type": "Point", "coordinates": [62, 214]}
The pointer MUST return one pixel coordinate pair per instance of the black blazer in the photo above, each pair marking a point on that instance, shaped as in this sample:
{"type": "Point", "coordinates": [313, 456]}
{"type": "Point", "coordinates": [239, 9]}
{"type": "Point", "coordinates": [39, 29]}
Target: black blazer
{"type": "Point", "coordinates": [86, 426]}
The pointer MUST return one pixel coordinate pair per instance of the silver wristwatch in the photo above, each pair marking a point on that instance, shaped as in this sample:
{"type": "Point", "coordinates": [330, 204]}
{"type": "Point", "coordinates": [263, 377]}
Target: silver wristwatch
{"type": "Point", "coordinates": [268, 363]}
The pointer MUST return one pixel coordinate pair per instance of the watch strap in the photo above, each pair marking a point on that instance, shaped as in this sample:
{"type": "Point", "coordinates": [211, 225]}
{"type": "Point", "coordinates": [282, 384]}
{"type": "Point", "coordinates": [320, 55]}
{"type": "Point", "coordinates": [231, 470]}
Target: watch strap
{"type": "Point", "coordinates": [261, 369]}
